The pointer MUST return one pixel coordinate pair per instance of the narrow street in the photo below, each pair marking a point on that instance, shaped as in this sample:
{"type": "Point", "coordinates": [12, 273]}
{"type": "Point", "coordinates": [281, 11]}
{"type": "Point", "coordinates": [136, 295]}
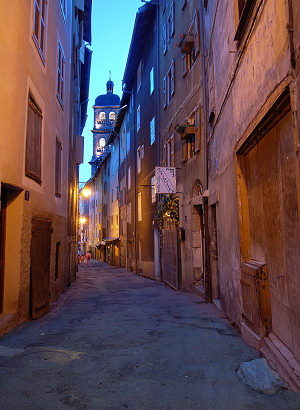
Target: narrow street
{"type": "Point", "coordinates": [116, 340]}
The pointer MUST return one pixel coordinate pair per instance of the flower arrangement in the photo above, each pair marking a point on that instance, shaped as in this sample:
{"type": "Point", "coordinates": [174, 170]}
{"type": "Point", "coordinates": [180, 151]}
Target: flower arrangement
{"type": "Point", "coordinates": [168, 206]}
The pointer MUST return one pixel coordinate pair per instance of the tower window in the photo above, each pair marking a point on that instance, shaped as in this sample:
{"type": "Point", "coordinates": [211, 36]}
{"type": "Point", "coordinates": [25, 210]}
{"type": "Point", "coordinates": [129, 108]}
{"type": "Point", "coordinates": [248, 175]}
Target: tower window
{"type": "Point", "coordinates": [102, 118]}
{"type": "Point", "coordinates": [112, 117]}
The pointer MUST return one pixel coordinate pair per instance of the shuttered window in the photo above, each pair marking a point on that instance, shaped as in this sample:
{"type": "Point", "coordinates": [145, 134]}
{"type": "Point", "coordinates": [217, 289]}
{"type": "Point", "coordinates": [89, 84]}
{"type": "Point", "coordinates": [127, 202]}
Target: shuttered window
{"type": "Point", "coordinates": [39, 26]}
{"type": "Point", "coordinates": [245, 9]}
{"type": "Point", "coordinates": [33, 140]}
{"type": "Point", "coordinates": [60, 74]}
{"type": "Point", "coordinates": [58, 150]}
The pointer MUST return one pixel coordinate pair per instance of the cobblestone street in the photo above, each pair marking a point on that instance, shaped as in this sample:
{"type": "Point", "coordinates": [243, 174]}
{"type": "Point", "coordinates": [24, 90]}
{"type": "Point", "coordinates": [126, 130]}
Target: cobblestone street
{"type": "Point", "coordinates": [116, 340]}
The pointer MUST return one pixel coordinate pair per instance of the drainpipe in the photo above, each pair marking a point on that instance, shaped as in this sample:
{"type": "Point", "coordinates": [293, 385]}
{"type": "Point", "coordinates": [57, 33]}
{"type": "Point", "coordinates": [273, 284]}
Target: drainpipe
{"type": "Point", "coordinates": [207, 266]}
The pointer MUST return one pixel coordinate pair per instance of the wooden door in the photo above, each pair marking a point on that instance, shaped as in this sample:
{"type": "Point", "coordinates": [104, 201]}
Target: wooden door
{"type": "Point", "coordinates": [269, 171]}
{"type": "Point", "coordinates": [40, 267]}
{"type": "Point", "coordinates": [170, 254]}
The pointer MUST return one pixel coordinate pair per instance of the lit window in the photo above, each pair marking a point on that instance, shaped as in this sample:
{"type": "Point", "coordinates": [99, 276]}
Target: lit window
{"type": "Point", "coordinates": [151, 80]}
{"type": "Point", "coordinates": [128, 141]}
{"type": "Point", "coordinates": [139, 206]}
{"type": "Point", "coordinates": [138, 117]}
{"type": "Point", "coordinates": [39, 26]}
{"type": "Point", "coordinates": [129, 177]}
{"type": "Point", "coordinates": [152, 130]}
{"type": "Point", "coordinates": [102, 118]}
{"type": "Point", "coordinates": [140, 156]}
{"type": "Point", "coordinates": [60, 74]}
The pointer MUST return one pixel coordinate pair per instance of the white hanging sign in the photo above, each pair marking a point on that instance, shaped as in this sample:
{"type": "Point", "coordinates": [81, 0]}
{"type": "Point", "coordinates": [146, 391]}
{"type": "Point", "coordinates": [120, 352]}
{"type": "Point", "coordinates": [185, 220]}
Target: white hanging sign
{"type": "Point", "coordinates": [165, 180]}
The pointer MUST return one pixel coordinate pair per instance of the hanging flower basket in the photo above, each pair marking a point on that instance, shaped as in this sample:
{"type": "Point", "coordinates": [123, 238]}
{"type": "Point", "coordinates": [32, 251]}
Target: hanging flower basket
{"type": "Point", "coordinates": [168, 206]}
{"type": "Point", "coordinates": [186, 43]}
{"type": "Point", "coordinates": [186, 130]}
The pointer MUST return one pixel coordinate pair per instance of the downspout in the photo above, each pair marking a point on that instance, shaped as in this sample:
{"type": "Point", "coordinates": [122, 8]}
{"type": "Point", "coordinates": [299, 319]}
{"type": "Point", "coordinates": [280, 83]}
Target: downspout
{"type": "Point", "coordinates": [207, 266]}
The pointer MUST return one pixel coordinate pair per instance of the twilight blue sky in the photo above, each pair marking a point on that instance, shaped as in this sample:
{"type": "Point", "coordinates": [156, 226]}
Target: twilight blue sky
{"type": "Point", "coordinates": [112, 25]}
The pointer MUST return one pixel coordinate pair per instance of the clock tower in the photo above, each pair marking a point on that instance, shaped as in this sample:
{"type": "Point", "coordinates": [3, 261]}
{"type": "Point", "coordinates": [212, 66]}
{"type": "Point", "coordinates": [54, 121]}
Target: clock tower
{"type": "Point", "coordinates": [105, 112]}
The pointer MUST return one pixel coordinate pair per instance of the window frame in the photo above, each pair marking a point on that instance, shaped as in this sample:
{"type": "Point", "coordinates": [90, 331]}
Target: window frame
{"type": "Point", "coordinates": [139, 206]}
{"type": "Point", "coordinates": [138, 118]}
{"type": "Point", "coordinates": [39, 27]}
{"type": "Point", "coordinates": [61, 67]}
{"type": "Point", "coordinates": [152, 131]}
{"type": "Point", "coordinates": [33, 163]}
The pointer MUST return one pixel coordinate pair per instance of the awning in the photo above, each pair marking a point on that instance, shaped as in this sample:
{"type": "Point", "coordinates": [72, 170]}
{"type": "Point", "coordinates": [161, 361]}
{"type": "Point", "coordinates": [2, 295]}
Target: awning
{"type": "Point", "coordinates": [110, 239]}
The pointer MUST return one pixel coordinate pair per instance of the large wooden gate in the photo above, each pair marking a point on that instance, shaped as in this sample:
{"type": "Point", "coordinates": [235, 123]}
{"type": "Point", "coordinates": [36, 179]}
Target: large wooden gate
{"type": "Point", "coordinates": [40, 267]}
{"type": "Point", "coordinates": [170, 254]}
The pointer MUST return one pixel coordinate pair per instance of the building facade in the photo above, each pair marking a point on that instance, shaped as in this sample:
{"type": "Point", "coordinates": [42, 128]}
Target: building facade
{"type": "Point", "coordinates": [43, 84]}
{"type": "Point", "coordinates": [252, 66]}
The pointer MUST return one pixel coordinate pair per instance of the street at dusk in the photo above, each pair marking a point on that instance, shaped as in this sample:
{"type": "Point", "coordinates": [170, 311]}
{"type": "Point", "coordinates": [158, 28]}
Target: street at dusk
{"type": "Point", "coordinates": [116, 340]}
{"type": "Point", "coordinates": [150, 204]}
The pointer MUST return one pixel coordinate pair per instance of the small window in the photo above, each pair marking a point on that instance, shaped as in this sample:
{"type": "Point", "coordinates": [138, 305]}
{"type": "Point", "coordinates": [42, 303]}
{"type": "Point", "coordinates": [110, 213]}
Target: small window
{"type": "Point", "coordinates": [183, 3]}
{"type": "Point", "coordinates": [151, 80]}
{"type": "Point", "coordinates": [170, 83]}
{"type": "Point", "coordinates": [33, 140]}
{"type": "Point", "coordinates": [152, 130]}
{"type": "Point", "coordinates": [60, 75]}
{"type": "Point", "coordinates": [171, 23]}
{"type": "Point", "coordinates": [165, 92]}
{"type": "Point", "coordinates": [138, 118]}
{"type": "Point", "coordinates": [170, 159]}
{"type": "Point", "coordinates": [140, 156]}
{"type": "Point", "coordinates": [165, 45]}
{"type": "Point", "coordinates": [58, 151]}
{"type": "Point", "coordinates": [129, 213]}
{"type": "Point", "coordinates": [39, 26]}
{"type": "Point", "coordinates": [139, 206]}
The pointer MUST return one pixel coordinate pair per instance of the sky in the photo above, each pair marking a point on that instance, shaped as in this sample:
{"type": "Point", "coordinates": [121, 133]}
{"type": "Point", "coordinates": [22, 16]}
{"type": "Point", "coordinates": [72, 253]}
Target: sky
{"type": "Point", "coordinates": [112, 25]}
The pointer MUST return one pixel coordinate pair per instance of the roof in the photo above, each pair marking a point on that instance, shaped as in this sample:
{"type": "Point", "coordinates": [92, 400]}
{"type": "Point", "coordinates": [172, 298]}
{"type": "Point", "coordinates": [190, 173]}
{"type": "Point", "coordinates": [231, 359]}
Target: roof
{"type": "Point", "coordinates": [107, 99]}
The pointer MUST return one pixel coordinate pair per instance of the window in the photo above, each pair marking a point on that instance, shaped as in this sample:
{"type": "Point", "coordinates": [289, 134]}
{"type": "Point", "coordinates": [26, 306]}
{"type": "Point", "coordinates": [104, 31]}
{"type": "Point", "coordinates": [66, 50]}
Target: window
{"type": "Point", "coordinates": [112, 117]}
{"type": "Point", "coordinates": [129, 177]}
{"type": "Point", "coordinates": [139, 197]}
{"type": "Point", "coordinates": [138, 118]}
{"type": "Point", "coordinates": [190, 53]}
{"type": "Point", "coordinates": [60, 74]}
{"type": "Point", "coordinates": [169, 85]}
{"type": "Point", "coordinates": [39, 26]}
{"type": "Point", "coordinates": [58, 150]}
{"type": "Point", "coordinates": [102, 118]}
{"type": "Point", "coordinates": [33, 140]}
{"type": "Point", "coordinates": [153, 193]}
{"type": "Point", "coordinates": [129, 213]}
{"type": "Point", "coordinates": [183, 3]}
{"type": "Point", "coordinates": [152, 130]}
{"type": "Point", "coordinates": [151, 80]}
{"type": "Point", "coordinates": [139, 76]}
{"type": "Point", "coordinates": [140, 156]}
{"type": "Point", "coordinates": [63, 7]}
{"type": "Point", "coordinates": [112, 195]}
{"type": "Point", "coordinates": [245, 9]}
{"type": "Point", "coordinates": [170, 24]}
{"type": "Point", "coordinates": [165, 45]}
{"type": "Point", "coordinates": [128, 141]}
{"type": "Point", "coordinates": [170, 159]}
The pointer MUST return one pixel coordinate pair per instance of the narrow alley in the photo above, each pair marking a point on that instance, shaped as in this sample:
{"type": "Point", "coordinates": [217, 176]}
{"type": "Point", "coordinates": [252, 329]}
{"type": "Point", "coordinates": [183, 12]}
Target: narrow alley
{"type": "Point", "coordinates": [117, 340]}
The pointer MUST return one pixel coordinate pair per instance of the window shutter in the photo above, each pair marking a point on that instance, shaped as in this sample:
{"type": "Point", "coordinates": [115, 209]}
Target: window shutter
{"type": "Point", "coordinates": [198, 129]}
{"type": "Point", "coordinates": [172, 20]}
{"type": "Point", "coordinates": [172, 78]}
{"type": "Point", "coordinates": [164, 38]}
{"type": "Point", "coordinates": [184, 65]}
{"type": "Point", "coordinates": [184, 150]}
{"type": "Point", "coordinates": [164, 156]}
{"type": "Point", "coordinates": [196, 34]}
{"type": "Point", "coordinates": [172, 164]}
{"type": "Point", "coordinates": [165, 92]}
{"type": "Point", "coordinates": [33, 141]}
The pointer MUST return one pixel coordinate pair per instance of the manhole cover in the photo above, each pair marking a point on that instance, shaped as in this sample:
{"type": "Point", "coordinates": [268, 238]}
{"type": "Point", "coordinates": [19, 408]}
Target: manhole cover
{"type": "Point", "coordinates": [44, 359]}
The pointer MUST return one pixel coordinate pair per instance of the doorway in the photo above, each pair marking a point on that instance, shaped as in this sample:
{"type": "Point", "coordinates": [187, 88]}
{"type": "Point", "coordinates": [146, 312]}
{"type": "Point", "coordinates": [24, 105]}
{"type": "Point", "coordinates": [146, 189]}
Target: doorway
{"type": "Point", "coordinates": [40, 267]}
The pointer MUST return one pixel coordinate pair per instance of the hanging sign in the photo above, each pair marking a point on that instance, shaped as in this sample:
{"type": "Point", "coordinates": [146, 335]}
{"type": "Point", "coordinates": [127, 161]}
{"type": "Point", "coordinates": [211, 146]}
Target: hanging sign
{"type": "Point", "coordinates": [165, 180]}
